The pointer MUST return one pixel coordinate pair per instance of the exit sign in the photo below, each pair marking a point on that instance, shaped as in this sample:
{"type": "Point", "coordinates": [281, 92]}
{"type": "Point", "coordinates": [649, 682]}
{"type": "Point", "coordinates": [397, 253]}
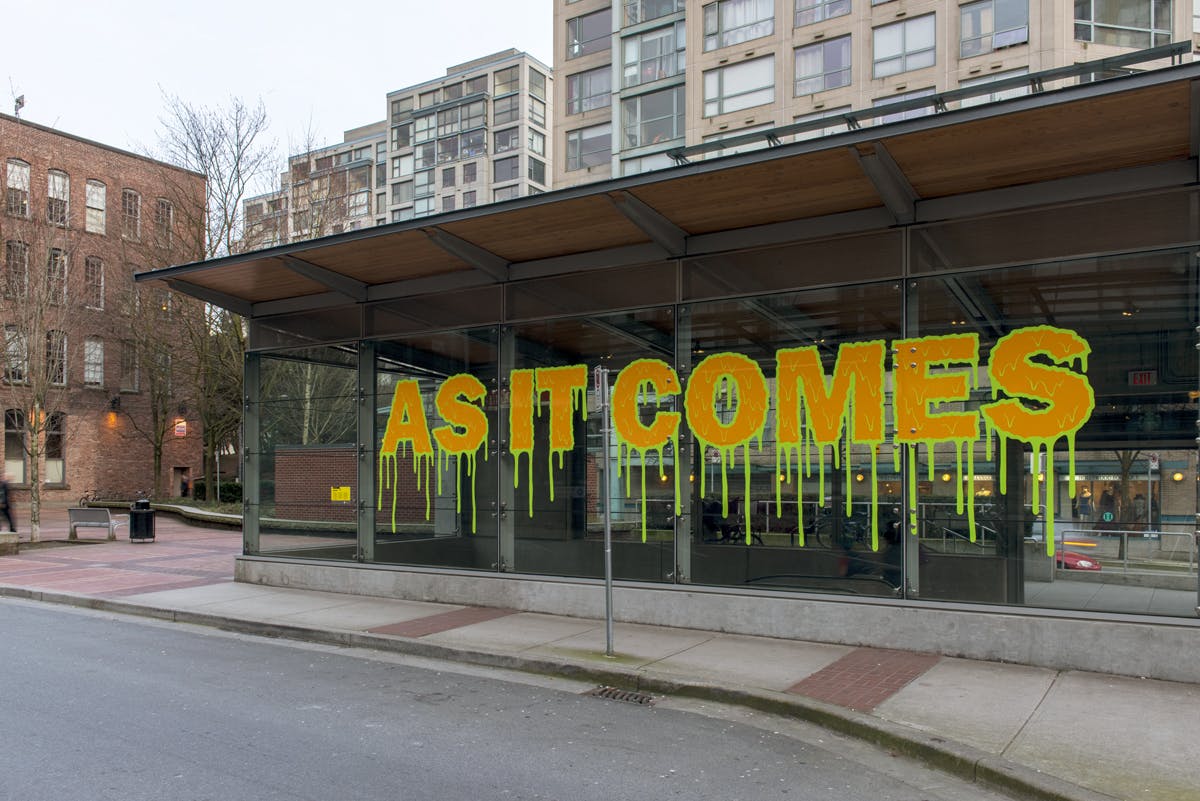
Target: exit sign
{"type": "Point", "coordinates": [1143, 378]}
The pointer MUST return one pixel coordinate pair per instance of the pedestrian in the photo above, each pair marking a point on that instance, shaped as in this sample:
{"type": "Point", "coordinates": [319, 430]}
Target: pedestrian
{"type": "Point", "coordinates": [6, 502]}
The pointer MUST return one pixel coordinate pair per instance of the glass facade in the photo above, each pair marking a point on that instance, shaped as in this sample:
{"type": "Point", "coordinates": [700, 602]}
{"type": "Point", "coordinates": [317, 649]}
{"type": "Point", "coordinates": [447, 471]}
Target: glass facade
{"type": "Point", "coordinates": [998, 410]}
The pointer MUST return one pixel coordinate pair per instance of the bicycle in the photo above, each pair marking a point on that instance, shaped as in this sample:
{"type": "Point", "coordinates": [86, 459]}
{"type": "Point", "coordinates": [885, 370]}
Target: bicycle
{"type": "Point", "coordinates": [88, 497]}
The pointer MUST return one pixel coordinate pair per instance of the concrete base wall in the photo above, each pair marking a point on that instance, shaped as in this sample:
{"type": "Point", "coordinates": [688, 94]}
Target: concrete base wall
{"type": "Point", "coordinates": [1127, 645]}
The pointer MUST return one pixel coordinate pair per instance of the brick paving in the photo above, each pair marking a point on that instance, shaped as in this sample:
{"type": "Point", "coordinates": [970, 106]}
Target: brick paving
{"type": "Point", "coordinates": [865, 678]}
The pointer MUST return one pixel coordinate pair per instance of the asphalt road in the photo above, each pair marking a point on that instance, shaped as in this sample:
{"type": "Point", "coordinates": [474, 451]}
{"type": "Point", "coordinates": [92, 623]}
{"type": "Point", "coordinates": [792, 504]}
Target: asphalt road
{"type": "Point", "coordinates": [95, 707]}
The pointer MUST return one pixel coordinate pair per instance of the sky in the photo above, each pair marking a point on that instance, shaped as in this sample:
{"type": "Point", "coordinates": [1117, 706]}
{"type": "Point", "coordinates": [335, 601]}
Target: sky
{"type": "Point", "coordinates": [319, 66]}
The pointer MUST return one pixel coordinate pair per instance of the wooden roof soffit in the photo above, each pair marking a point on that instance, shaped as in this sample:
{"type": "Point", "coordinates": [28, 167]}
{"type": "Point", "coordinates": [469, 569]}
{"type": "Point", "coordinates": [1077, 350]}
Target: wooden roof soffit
{"type": "Point", "coordinates": [664, 233]}
{"type": "Point", "coordinates": [889, 180]}
{"type": "Point", "coordinates": [479, 258]}
{"type": "Point", "coordinates": [213, 296]}
{"type": "Point", "coordinates": [342, 284]}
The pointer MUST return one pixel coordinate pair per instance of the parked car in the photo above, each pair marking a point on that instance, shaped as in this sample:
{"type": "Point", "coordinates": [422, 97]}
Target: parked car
{"type": "Point", "coordinates": [1073, 560]}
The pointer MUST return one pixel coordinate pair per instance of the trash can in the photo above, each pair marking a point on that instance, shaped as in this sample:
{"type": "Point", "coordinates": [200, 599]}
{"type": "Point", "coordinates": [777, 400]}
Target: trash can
{"type": "Point", "coordinates": [141, 521]}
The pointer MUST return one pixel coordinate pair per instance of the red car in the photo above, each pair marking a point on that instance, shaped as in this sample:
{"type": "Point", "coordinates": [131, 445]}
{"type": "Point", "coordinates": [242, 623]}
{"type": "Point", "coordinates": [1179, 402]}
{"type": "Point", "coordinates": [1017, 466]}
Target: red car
{"type": "Point", "coordinates": [1072, 560]}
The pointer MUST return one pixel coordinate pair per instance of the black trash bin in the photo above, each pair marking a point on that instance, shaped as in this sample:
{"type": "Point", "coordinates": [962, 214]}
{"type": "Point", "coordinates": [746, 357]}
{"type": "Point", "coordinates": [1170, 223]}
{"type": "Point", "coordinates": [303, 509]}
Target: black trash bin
{"type": "Point", "coordinates": [141, 521]}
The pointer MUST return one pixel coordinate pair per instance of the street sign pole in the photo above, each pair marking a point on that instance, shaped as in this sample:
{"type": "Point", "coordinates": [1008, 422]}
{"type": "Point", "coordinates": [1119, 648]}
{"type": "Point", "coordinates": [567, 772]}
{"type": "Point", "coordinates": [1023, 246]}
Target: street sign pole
{"type": "Point", "coordinates": [601, 384]}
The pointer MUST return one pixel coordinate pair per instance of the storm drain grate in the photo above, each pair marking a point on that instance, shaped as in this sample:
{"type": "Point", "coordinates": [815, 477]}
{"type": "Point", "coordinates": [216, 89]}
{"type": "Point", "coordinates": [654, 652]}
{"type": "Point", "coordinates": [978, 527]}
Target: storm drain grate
{"type": "Point", "coordinates": [617, 694]}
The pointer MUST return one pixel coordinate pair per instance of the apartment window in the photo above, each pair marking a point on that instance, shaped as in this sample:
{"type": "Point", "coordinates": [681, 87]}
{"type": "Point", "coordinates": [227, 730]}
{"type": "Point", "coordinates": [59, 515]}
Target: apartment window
{"type": "Point", "coordinates": [589, 90]}
{"type": "Point", "coordinates": [402, 166]}
{"type": "Point", "coordinates": [17, 198]}
{"type": "Point", "coordinates": [447, 149]}
{"type": "Point", "coordinates": [739, 86]}
{"type": "Point", "coordinates": [536, 142]}
{"type": "Point", "coordinates": [452, 91]}
{"type": "Point", "coordinates": [56, 276]}
{"type": "Point", "coordinates": [474, 115]}
{"type": "Point", "coordinates": [654, 117]}
{"type": "Point", "coordinates": [56, 432]}
{"type": "Point", "coordinates": [425, 155]}
{"type": "Point", "coordinates": [589, 147]}
{"type": "Point", "coordinates": [16, 355]}
{"type": "Point", "coordinates": [472, 143]}
{"type": "Point", "coordinates": [448, 203]}
{"type": "Point", "coordinates": [912, 113]}
{"type": "Point", "coordinates": [506, 169]}
{"type": "Point", "coordinates": [427, 99]}
{"type": "Point", "coordinates": [477, 84]}
{"type": "Point", "coordinates": [904, 46]}
{"type": "Point", "coordinates": [1125, 23]}
{"type": "Point", "coordinates": [992, 97]}
{"type": "Point", "coordinates": [93, 361]}
{"type": "Point", "coordinates": [423, 184]}
{"type": "Point", "coordinates": [506, 193]}
{"type": "Point", "coordinates": [654, 55]}
{"type": "Point", "coordinates": [425, 128]}
{"type": "Point", "coordinates": [589, 33]}
{"type": "Point", "coordinates": [131, 214]}
{"type": "Point", "coordinates": [730, 22]}
{"type": "Point", "coordinates": [645, 10]}
{"type": "Point", "coordinates": [380, 205]}
{"type": "Point", "coordinates": [58, 193]}
{"type": "Point", "coordinates": [537, 112]}
{"type": "Point", "coordinates": [93, 282]}
{"type": "Point", "coordinates": [506, 109]}
{"type": "Point", "coordinates": [164, 222]}
{"type": "Point", "coordinates": [402, 193]}
{"type": "Point", "coordinates": [401, 106]}
{"type": "Point", "coordinates": [16, 268]}
{"type": "Point", "coordinates": [400, 215]}
{"type": "Point", "coordinates": [423, 206]}
{"type": "Point", "coordinates": [468, 200]}
{"type": "Point", "coordinates": [825, 65]}
{"type": "Point", "coordinates": [469, 173]}
{"type": "Point", "coordinates": [359, 204]}
{"type": "Point", "coordinates": [448, 120]}
{"type": "Point", "coordinates": [448, 177]}
{"type": "Point", "coordinates": [506, 81]}
{"type": "Point", "coordinates": [537, 84]}
{"type": "Point", "coordinates": [56, 357]}
{"type": "Point", "coordinates": [810, 11]}
{"type": "Point", "coordinates": [636, 166]}
{"type": "Point", "coordinates": [129, 367]}
{"type": "Point", "coordinates": [14, 445]}
{"type": "Point", "coordinates": [993, 24]}
{"type": "Point", "coordinates": [95, 199]}
{"type": "Point", "coordinates": [537, 171]}
{"type": "Point", "coordinates": [508, 139]}
{"type": "Point", "coordinates": [402, 136]}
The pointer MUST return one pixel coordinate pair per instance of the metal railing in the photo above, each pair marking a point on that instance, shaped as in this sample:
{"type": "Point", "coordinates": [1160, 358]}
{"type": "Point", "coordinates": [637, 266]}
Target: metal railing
{"type": "Point", "coordinates": [1119, 546]}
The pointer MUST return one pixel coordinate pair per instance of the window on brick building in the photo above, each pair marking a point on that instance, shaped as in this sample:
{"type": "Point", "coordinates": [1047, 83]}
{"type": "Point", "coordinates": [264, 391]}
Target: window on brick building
{"type": "Point", "coordinates": [93, 282]}
{"type": "Point", "coordinates": [129, 367]}
{"type": "Point", "coordinates": [131, 214]}
{"type": "Point", "coordinates": [93, 362]}
{"type": "Point", "coordinates": [94, 220]}
{"type": "Point", "coordinates": [58, 196]}
{"type": "Point", "coordinates": [164, 222]}
{"type": "Point", "coordinates": [56, 276]}
{"type": "Point", "coordinates": [56, 434]}
{"type": "Point", "coordinates": [16, 268]}
{"type": "Point", "coordinates": [14, 445]}
{"type": "Point", "coordinates": [56, 357]}
{"type": "Point", "coordinates": [16, 355]}
{"type": "Point", "coordinates": [17, 198]}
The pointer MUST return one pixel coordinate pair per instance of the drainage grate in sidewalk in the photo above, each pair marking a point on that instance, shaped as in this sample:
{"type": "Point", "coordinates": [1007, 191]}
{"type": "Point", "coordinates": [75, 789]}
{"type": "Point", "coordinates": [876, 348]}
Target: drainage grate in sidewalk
{"type": "Point", "coordinates": [617, 694]}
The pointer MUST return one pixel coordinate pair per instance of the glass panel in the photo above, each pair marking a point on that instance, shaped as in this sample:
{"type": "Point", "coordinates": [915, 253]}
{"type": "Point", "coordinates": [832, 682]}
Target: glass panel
{"type": "Point", "coordinates": [308, 453]}
{"type": "Point", "coordinates": [558, 503]}
{"type": "Point", "coordinates": [436, 490]}
{"type": "Point", "coordinates": [806, 511]}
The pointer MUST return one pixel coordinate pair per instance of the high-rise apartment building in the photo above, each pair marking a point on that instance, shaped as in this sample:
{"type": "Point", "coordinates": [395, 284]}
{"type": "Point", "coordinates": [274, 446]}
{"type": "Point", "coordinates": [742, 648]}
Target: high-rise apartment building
{"type": "Point", "coordinates": [642, 77]}
{"type": "Point", "coordinates": [480, 134]}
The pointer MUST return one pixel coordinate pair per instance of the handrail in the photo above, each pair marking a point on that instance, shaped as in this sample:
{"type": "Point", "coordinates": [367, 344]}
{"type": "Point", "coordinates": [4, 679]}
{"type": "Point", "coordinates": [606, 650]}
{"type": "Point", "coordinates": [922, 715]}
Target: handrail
{"type": "Point", "coordinates": [939, 101]}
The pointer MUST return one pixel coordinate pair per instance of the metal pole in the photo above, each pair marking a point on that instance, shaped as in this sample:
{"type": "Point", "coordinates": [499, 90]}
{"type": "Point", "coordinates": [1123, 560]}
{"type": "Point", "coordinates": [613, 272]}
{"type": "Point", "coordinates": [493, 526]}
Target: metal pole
{"type": "Point", "coordinates": [601, 383]}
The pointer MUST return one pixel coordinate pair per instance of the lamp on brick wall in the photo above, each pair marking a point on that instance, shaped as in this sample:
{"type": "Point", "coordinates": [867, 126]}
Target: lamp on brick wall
{"type": "Point", "coordinates": [114, 403]}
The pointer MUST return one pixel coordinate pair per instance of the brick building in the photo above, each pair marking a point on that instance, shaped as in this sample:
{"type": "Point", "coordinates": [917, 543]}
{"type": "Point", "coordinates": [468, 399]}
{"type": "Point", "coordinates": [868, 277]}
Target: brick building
{"type": "Point", "coordinates": [94, 369]}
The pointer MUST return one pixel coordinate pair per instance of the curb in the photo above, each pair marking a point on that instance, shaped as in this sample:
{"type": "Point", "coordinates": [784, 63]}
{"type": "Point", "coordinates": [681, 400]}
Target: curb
{"type": "Point", "coordinates": [956, 759]}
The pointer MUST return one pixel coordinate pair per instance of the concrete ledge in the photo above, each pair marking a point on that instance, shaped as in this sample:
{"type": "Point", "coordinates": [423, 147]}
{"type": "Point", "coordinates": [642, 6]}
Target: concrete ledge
{"type": "Point", "coordinates": [8, 543]}
{"type": "Point", "coordinates": [1126, 645]}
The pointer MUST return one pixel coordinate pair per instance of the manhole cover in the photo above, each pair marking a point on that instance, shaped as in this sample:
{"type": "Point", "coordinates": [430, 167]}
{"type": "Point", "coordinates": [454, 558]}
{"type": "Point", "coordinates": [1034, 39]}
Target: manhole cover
{"type": "Point", "coordinates": [617, 694]}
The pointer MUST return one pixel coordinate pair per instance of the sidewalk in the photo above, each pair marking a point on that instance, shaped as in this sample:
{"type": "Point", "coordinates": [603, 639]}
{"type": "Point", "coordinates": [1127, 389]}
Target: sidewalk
{"type": "Point", "coordinates": [1036, 732]}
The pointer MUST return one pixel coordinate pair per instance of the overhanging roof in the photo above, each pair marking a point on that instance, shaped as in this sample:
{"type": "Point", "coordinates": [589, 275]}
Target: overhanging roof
{"type": "Point", "coordinates": [1131, 133]}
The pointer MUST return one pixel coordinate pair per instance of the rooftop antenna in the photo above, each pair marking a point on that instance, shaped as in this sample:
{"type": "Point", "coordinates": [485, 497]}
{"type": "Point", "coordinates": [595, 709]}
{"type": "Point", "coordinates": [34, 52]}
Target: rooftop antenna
{"type": "Point", "coordinates": [18, 104]}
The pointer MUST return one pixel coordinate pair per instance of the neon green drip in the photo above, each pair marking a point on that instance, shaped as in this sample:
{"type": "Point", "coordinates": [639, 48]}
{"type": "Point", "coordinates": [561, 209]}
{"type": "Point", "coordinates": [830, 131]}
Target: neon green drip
{"type": "Point", "coordinates": [874, 499]}
{"type": "Point", "coordinates": [971, 500]}
{"type": "Point", "coordinates": [958, 475]}
{"type": "Point", "coordinates": [912, 487]}
{"type": "Point", "coordinates": [746, 494]}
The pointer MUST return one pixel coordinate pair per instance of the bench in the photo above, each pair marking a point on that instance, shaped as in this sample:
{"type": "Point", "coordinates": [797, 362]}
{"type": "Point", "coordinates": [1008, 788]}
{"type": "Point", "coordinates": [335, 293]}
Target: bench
{"type": "Point", "coordinates": [91, 517]}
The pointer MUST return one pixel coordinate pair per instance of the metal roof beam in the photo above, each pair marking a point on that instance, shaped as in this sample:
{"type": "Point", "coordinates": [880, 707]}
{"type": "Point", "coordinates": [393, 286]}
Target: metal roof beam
{"type": "Point", "coordinates": [469, 252]}
{"type": "Point", "coordinates": [889, 180]}
{"type": "Point", "coordinates": [666, 234]}
{"type": "Point", "coordinates": [342, 284]}
{"type": "Point", "coordinates": [213, 296]}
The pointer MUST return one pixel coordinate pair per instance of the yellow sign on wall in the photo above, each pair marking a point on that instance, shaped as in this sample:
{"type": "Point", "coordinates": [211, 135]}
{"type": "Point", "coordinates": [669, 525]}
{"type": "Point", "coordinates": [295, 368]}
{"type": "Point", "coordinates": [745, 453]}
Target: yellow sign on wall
{"type": "Point", "coordinates": [339, 493]}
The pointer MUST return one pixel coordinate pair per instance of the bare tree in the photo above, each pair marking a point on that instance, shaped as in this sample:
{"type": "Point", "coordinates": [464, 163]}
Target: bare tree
{"type": "Point", "coordinates": [228, 145]}
{"type": "Point", "coordinates": [40, 298]}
